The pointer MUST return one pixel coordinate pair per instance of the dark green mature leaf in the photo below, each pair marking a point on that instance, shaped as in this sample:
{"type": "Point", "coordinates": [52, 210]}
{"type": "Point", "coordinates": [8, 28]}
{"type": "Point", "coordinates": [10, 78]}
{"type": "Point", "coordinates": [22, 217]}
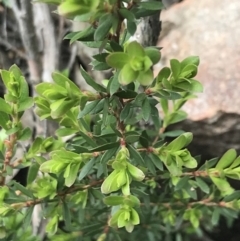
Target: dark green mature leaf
{"type": "Point", "coordinates": [66, 215]}
{"type": "Point", "coordinates": [131, 27]}
{"type": "Point", "coordinates": [135, 155]}
{"type": "Point", "coordinates": [85, 35]}
{"type": "Point", "coordinates": [203, 185]}
{"type": "Point", "coordinates": [88, 139]}
{"type": "Point", "coordinates": [28, 218]}
{"type": "Point", "coordinates": [146, 109]}
{"type": "Point", "coordinates": [105, 147]}
{"type": "Point", "coordinates": [215, 216]}
{"type": "Point", "coordinates": [86, 168]}
{"type": "Point", "coordinates": [108, 155]}
{"type": "Point", "coordinates": [88, 108]}
{"type": "Point", "coordinates": [231, 197]}
{"type": "Point", "coordinates": [115, 46]}
{"type": "Point", "coordinates": [99, 65]}
{"type": "Point", "coordinates": [139, 99]}
{"type": "Point", "coordinates": [183, 182]}
{"type": "Point", "coordinates": [90, 81]}
{"type": "Point", "coordinates": [114, 84]}
{"type": "Point", "coordinates": [155, 117]}
{"type": "Point", "coordinates": [156, 161]}
{"type": "Point", "coordinates": [149, 164]}
{"type": "Point", "coordinates": [128, 94]}
{"type": "Point", "coordinates": [101, 57]}
{"type": "Point", "coordinates": [23, 189]}
{"type": "Point", "coordinates": [105, 24]}
{"type": "Point", "coordinates": [151, 5]}
{"type": "Point", "coordinates": [125, 112]}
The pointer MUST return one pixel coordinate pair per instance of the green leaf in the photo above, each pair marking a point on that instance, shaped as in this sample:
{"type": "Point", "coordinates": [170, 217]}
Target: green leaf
{"type": "Point", "coordinates": [227, 159]}
{"type": "Point", "coordinates": [108, 155]}
{"type": "Point", "coordinates": [91, 81]}
{"type": "Point", "coordinates": [131, 27]}
{"type": "Point", "coordinates": [189, 71]}
{"type": "Point", "coordinates": [25, 135]}
{"type": "Point", "coordinates": [125, 111]}
{"type": "Point", "coordinates": [32, 172]}
{"type": "Point", "coordinates": [127, 75]}
{"type": "Point", "coordinates": [89, 140]}
{"type": "Point", "coordinates": [190, 60]}
{"type": "Point", "coordinates": [66, 215]}
{"type": "Point", "coordinates": [215, 216]}
{"type": "Point", "coordinates": [85, 35]}
{"type": "Point", "coordinates": [203, 185]}
{"type": "Point", "coordinates": [73, 171]}
{"type": "Point", "coordinates": [155, 117]}
{"type": "Point", "coordinates": [180, 142]}
{"type": "Point", "coordinates": [151, 5]}
{"type": "Point", "coordinates": [182, 183]}
{"type": "Point", "coordinates": [134, 49]}
{"type": "Point", "coordinates": [153, 53]}
{"type": "Point", "coordinates": [128, 94]}
{"type": "Point", "coordinates": [164, 73]}
{"type": "Point", "coordinates": [175, 117]}
{"type": "Point", "coordinates": [65, 132]}
{"type": "Point", "coordinates": [146, 109]}
{"type": "Point", "coordinates": [28, 218]}
{"type": "Point", "coordinates": [222, 185]}
{"type": "Point", "coordinates": [117, 59]}
{"type": "Point", "coordinates": [145, 78]}
{"type": "Point", "coordinates": [62, 80]}
{"type": "Point", "coordinates": [156, 161]}
{"type": "Point", "coordinates": [127, 14]}
{"type": "Point", "coordinates": [23, 189]}
{"type": "Point", "coordinates": [233, 196]}
{"type": "Point", "coordinates": [135, 155]}
{"type": "Point", "coordinates": [88, 108]}
{"type": "Point", "coordinates": [25, 104]}
{"type": "Point", "coordinates": [114, 200]}
{"type": "Point", "coordinates": [105, 147]}
{"type": "Point", "coordinates": [114, 84]}
{"type": "Point", "coordinates": [105, 24]}
{"type": "Point", "coordinates": [5, 107]}
{"type": "Point", "coordinates": [4, 119]}
{"type": "Point", "coordinates": [176, 67]}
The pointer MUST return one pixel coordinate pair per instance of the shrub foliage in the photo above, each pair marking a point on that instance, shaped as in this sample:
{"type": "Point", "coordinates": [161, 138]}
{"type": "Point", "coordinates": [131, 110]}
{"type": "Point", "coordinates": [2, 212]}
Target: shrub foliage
{"type": "Point", "coordinates": [116, 174]}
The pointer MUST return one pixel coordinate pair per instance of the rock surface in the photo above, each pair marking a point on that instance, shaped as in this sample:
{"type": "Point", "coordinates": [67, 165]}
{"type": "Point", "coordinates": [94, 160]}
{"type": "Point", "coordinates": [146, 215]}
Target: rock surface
{"type": "Point", "coordinates": [209, 29]}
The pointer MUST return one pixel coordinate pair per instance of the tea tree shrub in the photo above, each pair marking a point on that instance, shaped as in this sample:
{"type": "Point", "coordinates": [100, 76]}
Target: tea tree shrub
{"type": "Point", "coordinates": [116, 178]}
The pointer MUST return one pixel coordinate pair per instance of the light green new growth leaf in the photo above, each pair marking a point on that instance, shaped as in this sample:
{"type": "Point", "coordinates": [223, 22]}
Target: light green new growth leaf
{"type": "Point", "coordinates": [5, 107]}
{"type": "Point", "coordinates": [180, 142]}
{"type": "Point", "coordinates": [135, 172]}
{"type": "Point", "coordinates": [117, 60]}
{"type": "Point", "coordinates": [227, 159]}
{"type": "Point", "coordinates": [134, 49]}
{"type": "Point", "coordinates": [114, 200]}
{"type": "Point", "coordinates": [222, 185]}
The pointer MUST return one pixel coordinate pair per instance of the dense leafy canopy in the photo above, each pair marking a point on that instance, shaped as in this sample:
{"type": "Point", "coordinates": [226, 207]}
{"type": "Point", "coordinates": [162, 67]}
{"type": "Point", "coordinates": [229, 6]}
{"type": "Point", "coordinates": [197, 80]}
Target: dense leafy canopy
{"type": "Point", "coordinates": [116, 174]}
